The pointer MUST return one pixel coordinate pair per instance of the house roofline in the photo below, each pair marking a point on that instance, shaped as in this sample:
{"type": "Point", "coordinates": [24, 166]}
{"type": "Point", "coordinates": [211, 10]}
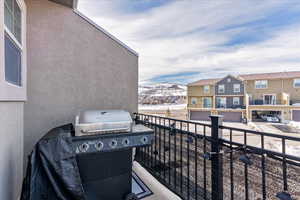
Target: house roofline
{"type": "Point", "coordinates": [105, 32]}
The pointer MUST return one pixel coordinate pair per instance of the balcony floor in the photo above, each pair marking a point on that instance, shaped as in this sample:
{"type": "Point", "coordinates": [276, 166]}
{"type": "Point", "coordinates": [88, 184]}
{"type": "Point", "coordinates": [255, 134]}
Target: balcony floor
{"type": "Point", "coordinates": [159, 191]}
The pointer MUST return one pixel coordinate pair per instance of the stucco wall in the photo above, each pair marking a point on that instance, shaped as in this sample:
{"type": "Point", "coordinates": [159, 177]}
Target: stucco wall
{"type": "Point", "coordinates": [199, 91]}
{"type": "Point", "coordinates": [11, 149]}
{"type": "Point", "coordinates": [72, 66]}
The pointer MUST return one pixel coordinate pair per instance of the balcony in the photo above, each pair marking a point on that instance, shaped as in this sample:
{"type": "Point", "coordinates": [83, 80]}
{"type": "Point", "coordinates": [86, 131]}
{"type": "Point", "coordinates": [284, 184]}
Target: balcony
{"type": "Point", "coordinates": [261, 102]}
{"type": "Point", "coordinates": [212, 161]}
{"type": "Point", "coordinates": [209, 106]}
{"type": "Point", "coordinates": [220, 106]}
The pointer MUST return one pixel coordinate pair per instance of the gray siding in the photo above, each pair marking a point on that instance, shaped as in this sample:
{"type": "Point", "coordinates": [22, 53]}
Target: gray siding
{"type": "Point", "coordinates": [229, 86]}
{"type": "Point", "coordinates": [229, 102]}
{"type": "Point", "coordinates": [72, 66]}
{"type": "Point", "coordinates": [11, 149]}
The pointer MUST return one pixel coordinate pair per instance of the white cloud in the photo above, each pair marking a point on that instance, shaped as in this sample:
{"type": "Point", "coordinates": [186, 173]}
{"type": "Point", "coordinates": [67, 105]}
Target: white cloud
{"type": "Point", "coordinates": [185, 35]}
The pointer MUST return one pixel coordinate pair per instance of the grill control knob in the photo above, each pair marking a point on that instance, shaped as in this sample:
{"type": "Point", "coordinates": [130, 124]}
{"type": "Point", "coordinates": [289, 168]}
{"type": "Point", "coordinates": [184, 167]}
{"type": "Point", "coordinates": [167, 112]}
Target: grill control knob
{"type": "Point", "coordinates": [144, 140]}
{"type": "Point", "coordinates": [125, 142]}
{"type": "Point", "coordinates": [84, 147]}
{"type": "Point", "coordinates": [113, 143]}
{"type": "Point", "coordinates": [99, 145]}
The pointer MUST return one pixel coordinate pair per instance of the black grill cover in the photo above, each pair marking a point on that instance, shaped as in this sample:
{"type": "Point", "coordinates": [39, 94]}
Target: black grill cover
{"type": "Point", "coordinates": [52, 172]}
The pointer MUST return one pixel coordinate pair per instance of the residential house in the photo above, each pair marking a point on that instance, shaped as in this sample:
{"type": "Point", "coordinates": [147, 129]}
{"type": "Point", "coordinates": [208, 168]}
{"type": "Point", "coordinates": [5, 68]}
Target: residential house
{"type": "Point", "coordinates": [54, 61]}
{"type": "Point", "coordinates": [273, 93]}
{"type": "Point", "coordinates": [201, 98]}
{"type": "Point", "coordinates": [248, 96]}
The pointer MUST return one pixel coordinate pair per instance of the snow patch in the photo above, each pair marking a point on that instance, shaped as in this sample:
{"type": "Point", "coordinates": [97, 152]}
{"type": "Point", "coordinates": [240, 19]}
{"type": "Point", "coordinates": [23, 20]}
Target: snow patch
{"type": "Point", "coordinates": [163, 107]}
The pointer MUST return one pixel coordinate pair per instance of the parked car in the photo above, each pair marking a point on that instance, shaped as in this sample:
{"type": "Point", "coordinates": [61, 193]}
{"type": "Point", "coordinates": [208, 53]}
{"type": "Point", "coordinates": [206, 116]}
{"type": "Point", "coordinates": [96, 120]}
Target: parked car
{"type": "Point", "coordinates": [270, 118]}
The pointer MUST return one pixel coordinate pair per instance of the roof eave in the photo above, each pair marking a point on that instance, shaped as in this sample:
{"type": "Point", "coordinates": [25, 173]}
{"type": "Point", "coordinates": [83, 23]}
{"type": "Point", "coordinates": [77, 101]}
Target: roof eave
{"type": "Point", "coordinates": [67, 3]}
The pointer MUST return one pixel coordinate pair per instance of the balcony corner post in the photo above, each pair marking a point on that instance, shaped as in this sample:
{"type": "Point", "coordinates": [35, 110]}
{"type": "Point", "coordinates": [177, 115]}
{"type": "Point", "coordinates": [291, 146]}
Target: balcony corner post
{"type": "Point", "coordinates": [217, 160]}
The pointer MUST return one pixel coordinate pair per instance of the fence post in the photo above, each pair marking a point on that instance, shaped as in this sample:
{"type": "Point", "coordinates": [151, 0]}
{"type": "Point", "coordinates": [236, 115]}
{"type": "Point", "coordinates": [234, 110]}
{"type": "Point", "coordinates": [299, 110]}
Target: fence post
{"type": "Point", "coordinates": [216, 159]}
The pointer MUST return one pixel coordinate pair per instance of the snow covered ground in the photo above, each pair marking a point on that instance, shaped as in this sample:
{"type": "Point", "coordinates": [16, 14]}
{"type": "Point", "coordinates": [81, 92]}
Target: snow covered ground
{"type": "Point", "coordinates": [295, 124]}
{"type": "Point", "coordinates": [162, 93]}
{"type": "Point", "coordinates": [163, 107]}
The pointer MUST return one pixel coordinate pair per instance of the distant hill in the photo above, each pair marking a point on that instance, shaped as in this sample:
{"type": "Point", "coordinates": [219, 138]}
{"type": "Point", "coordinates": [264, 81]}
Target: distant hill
{"type": "Point", "coordinates": [162, 93]}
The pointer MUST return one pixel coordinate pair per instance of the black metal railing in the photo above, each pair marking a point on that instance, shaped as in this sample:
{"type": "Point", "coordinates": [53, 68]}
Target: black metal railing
{"type": "Point", "coordinates": [212, 161]}
{"type": "Point", "coordinates": [261, 102]}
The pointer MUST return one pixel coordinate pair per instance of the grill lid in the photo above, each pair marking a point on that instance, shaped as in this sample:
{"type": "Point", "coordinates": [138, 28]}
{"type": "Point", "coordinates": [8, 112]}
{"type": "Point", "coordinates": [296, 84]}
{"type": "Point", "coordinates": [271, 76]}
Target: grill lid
{"type": "Point", "coordinates": [92, 122]}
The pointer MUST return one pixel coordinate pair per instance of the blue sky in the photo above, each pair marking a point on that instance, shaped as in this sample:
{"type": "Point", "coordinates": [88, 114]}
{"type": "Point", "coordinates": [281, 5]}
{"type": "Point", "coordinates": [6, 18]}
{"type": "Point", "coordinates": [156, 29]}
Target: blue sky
{"type": "Point", "coordinates": [185, 40]}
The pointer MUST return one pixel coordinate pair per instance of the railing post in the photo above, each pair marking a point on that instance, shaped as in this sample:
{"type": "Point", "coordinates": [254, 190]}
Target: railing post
{"type": "Point", "coordinates": [216, 158]}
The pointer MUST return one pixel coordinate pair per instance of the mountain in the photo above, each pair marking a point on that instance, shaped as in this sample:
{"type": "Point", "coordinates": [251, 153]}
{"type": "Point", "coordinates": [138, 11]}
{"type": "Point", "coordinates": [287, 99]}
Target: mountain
{"type": "Point", "coordinates": [162, 93]}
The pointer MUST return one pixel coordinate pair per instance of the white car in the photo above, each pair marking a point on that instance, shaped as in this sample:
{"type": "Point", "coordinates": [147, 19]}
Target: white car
{"type": "Point", "coordinates": [270, 118]}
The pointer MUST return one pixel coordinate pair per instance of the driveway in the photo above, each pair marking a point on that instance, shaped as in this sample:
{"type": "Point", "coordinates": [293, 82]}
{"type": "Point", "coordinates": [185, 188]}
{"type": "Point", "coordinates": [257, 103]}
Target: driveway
{"type": "Point", "coordinates": [277, 128]}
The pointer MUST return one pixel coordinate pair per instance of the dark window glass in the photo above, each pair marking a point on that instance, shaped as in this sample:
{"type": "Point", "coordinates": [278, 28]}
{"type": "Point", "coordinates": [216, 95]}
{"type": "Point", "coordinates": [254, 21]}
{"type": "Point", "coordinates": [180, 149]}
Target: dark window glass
{"type": "Point", "coordinates": [12, 62]}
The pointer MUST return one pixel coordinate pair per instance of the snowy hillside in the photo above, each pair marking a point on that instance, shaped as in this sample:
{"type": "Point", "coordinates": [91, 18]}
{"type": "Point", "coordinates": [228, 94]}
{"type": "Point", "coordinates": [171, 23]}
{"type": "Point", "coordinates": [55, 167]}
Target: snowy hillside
{"type": "Point", "coordinates": [162, 93]}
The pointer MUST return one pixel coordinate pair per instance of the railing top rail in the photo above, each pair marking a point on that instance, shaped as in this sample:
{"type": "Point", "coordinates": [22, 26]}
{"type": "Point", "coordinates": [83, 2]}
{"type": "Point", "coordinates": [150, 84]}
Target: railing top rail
{"type": "Point", "coordinates": [173, 119]}
{"type": "Point", "coordinates": [244, 131]}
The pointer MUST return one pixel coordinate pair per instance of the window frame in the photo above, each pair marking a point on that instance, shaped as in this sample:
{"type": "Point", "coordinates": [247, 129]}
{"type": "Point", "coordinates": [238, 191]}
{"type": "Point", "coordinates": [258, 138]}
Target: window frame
{"type": "Point", "coordinates": [223, 88]}
{"type": "Point", "coordinates": [259, 81]}
{"type": "Point", "coordinates": [294, 82]}
{"type": "Point", "coordinates": [10, 34]}
{"type": "Point", "coordinates": [225, 105]}
{"type": "Point", "coordinates": [233, 101]}
{"type": "Point", "coordinates": [196, 100]}
{"type": "Point", "coordinates": [18, 44]}
{"type": "Point", "coordinates": [275, 99]}
{"type": "Point", "coordinates": [239, 88]}
{"type": "Point", "coordinates": [13, 92]}
{"type": "Point", "coordinates": [210, 99]}
{"type": "Point", "coordinates": [206, 91]}
{"type": "Point", "coordinates": [20, 85]}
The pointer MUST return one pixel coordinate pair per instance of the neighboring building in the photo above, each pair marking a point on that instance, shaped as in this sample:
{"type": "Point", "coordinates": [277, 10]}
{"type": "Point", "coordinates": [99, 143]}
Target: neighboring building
{"type": "Point", "coordinates": [64, 64]}
{"type": "Point", "coordinates": [247, 97]}
{"type": "Point", "coordinates": [201, 99]}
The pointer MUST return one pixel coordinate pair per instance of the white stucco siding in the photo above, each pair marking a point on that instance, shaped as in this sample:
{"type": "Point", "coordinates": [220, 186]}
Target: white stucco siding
{"type": "Point", "coordinates": [11, 149]}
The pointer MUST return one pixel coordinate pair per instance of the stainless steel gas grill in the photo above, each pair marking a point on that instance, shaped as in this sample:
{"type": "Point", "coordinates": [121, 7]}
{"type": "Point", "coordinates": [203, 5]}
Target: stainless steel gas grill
{"type": "Point", "coordinates": [94, 122]}
{"type": "Point", "coordinates": [103, 143]}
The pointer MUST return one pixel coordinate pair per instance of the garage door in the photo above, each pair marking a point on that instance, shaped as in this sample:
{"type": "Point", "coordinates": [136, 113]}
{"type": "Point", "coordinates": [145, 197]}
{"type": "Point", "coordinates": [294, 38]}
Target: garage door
{"type": "Point", "coordinates": [296, 115]}
{"type": "Point", "coordinates": [232, 116]}
{"type": "Point", "coordinates": [200, 115]}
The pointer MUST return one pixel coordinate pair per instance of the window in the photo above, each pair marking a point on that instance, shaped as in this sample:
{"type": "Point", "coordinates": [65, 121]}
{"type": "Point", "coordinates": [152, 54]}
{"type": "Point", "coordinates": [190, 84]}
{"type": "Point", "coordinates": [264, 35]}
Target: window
{"type": "Point", "coordinates": [261, 84]}
{"type": "Point", "coordinates": [12, 62]}
{"type": "Point", "coordinates": [297, 83]}
{"type": "Point", "coordinates": [194, 100]}
{"type": "Point", "coordinates": [12, 18]}
{"type": "Point", "coordinates": [221, 88]}
{"type": "Point", "coordinates": [207, 102]}
{"type": "Point", "coordinates": [13, 41]}
{"type": "Point", "coordinates": [270, 99]}
{"type": "Point", "coordinates": [206, 88]}
{"type": "Point", "coordinates": [236, 88]}
{"type": "Point", "coordinates": [229, 80]}
{"type": "Point", "coordinates": [236, 101]}
{"type": "Point", "coordinates": [221, 102]}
